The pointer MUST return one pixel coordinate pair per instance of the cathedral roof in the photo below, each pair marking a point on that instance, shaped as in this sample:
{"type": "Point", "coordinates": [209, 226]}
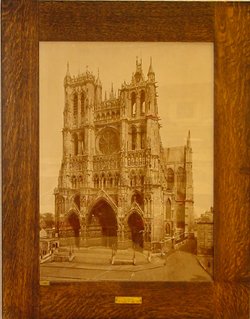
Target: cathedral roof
{"type": "Point", "coordinates": [174, 154]}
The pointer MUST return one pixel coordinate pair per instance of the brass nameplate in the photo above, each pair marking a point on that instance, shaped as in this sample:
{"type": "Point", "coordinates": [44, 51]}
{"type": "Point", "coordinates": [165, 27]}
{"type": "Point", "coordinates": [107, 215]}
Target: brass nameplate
{"type": "Point", "coordinates": [44, 283]}
{"type": "Point", "coordinates": [128, 300]}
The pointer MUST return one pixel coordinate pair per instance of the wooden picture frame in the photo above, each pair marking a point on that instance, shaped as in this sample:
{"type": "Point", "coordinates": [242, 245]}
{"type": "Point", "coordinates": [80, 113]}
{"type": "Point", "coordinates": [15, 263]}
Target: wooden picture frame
{"type": "Point", "coordinates": [24, 24]}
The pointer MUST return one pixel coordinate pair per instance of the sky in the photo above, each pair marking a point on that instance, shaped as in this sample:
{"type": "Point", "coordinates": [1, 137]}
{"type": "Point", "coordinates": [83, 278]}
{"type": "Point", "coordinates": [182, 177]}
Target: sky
{"type": "Point", "coordinates": [184, 73]}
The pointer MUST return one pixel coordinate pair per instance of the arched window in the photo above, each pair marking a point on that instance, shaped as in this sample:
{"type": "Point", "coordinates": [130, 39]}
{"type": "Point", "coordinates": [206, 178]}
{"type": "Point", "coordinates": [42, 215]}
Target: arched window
{"type": "Point", "coordinates": [102, 179]}
{"type": "Point", "coordinates": [142, 102]}
{"type": "Point", "coordinates": [170, 179]}
{"type": "Point", "coordinates": [133, 104]}
{"type": "Point", "coordinates": [96, 181]}
{"type": "Point", "coordinates": [143, 138]}
{"type": "Point", "coordinates": [75, 104]}
{"type": "Point", "coordinates": [81, 144]}
{"type": "Point", "coordinates": [82, 104]}
{"type": "Point", "coordinates": [133, 138]}
{"type": "Point", "coordinates": [80, 181]}
{"type": "Point", "coordinates": [168, 210]}
{"type": "Point", "coordinates": [117, 179]}
{"type": "Point", "coordinates": [75, 144]}
{"type": "Point", "coordinates": [142, 180]}
{"type": "Point", "coordinates": [73, 181]}
{"type": "Point", "coordinates": [109, 180]}
{"type": "Point", "coordinates": [181, 181]}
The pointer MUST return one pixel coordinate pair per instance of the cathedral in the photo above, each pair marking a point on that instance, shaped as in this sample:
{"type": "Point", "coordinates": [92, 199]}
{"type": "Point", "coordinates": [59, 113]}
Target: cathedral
{"type": "Point", "coordinates": [117, 182]}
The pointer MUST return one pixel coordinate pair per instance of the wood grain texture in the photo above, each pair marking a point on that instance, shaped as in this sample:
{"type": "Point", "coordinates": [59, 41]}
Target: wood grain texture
{"type": "Point", "coordinates": [159, 300]}
{"type": "Point", "coordinates": [20, 159]}
{"type": "Point", "coordinates": [228, 24]}
{"type": "Point", "coordinates": [231, 300]}
{"type": "Point", "coordinates": [232, 184]}
{"type": "Point", "coordinates": [125, 21]}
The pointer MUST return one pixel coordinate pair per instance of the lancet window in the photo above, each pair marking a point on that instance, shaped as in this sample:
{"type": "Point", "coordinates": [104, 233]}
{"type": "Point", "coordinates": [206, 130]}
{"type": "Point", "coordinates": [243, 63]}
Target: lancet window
{"type": "Point", "coordinates": [75, 104]}
{"type": "Point", "coordinates": [133, 138]}
{"type": "Point", "coordinates": [142, 102]}
{"type": "Point", "coordinates": [133, 104]}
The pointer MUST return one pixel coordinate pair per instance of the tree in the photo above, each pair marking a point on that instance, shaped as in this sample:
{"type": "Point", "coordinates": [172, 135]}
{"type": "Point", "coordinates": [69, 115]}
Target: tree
{"type": "Point", "coordinates": [47, 220]}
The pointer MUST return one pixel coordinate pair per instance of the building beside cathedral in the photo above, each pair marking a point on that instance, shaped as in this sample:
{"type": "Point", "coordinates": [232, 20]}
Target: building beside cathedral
{"type": "Point", "coordinates": [117, 182]}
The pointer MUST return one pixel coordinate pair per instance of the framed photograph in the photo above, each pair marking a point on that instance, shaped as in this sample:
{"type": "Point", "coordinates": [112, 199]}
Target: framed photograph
{"type": "Point", "coordinates": [126, 174]}
{"type": "Point", "coordinates": [125, 137]}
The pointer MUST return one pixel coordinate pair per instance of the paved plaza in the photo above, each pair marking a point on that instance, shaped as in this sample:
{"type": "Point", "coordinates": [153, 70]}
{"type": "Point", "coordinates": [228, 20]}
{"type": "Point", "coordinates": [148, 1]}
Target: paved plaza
{"type": "Point", "coordinates": [93, 263]}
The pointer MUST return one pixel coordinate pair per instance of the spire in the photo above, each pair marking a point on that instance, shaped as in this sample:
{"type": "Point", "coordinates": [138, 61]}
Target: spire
{"type": "Point", "coordinates": [138, 75]}
{"type": "Point", "coordinates": [138, 66]}
{"type": "Point", "coordinates": [67, 73]}
{"type": "Point", "coordinates": [188, 139]}
{"type": "Point", "coordinates": [151, 74]}
{"type": "Point", "coordinates": [67, 76]}
{"type": "Point", "coordinates": [112, 91]}
{"type": "Point", "coordinates": [98, 81]}
{"type": "Point", "coordinates": [150, 70]}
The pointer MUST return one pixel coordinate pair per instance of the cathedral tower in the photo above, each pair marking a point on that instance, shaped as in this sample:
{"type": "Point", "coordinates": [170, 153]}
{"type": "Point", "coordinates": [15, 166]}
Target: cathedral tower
{"type": "Point", "coordinates": [117, 184]}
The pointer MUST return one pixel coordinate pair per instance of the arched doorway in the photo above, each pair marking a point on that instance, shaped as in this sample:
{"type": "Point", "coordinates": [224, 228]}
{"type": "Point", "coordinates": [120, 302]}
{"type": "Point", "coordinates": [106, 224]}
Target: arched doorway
{"type": "Point", "coordinates": [102, 225]}
{"type": "Point", "coordinates": [74, 223]}
{"type": "Point", "coordinates": [136, 226]}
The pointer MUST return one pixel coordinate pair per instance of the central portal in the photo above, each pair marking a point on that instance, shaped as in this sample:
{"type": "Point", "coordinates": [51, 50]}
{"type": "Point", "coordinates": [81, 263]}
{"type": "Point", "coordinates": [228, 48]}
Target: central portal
{"type": "Point", "coordinates": [102, 225]}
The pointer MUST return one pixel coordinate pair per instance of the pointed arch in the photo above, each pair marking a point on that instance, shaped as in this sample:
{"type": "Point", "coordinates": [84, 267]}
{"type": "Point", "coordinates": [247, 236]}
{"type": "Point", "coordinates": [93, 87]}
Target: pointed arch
{"type": "Point", "coordinates": [102, 222]}
{"type": "Point", "coordinates": [102, 197]}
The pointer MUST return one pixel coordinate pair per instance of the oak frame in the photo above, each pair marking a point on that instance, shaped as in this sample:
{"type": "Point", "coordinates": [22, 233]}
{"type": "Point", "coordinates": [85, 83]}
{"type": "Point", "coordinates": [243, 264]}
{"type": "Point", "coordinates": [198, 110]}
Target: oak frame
{"type": "Point", "coordinates": [24, 24]}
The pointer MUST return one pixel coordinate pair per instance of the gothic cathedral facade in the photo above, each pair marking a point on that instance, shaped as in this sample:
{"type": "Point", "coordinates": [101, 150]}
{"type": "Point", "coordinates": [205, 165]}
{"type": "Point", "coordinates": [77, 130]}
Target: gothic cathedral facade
{"type": "Point", "coordinates": [116, 180]}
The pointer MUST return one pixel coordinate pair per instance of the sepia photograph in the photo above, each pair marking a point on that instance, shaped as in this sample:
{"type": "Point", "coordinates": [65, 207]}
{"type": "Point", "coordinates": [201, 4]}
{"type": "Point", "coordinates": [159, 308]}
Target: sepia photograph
{"type": "Point", "coordinates": [126, 161]}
